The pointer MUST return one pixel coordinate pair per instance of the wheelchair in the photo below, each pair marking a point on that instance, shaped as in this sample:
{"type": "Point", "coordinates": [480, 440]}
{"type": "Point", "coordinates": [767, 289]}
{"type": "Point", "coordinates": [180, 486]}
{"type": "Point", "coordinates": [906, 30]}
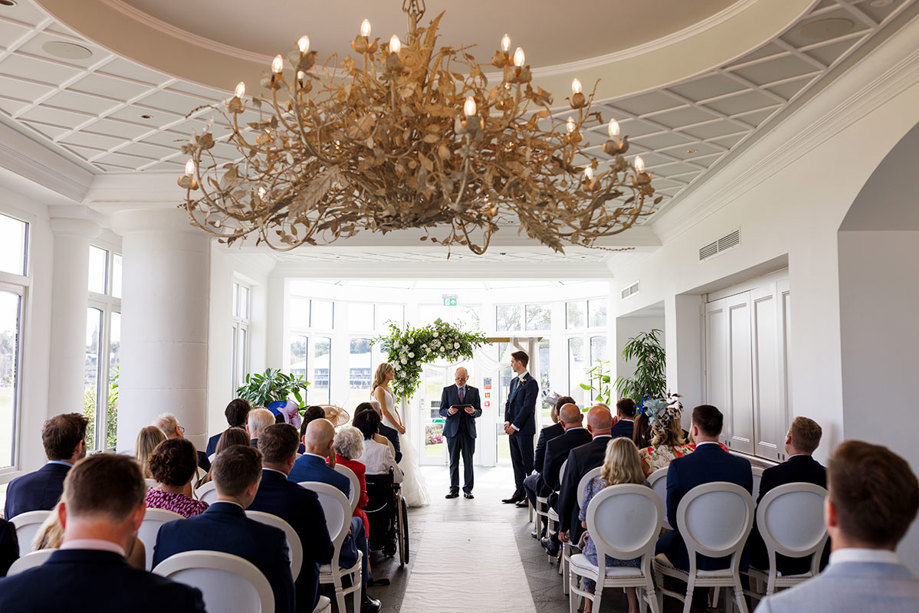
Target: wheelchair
{"type": "Point", "coordinates": [388, 515]}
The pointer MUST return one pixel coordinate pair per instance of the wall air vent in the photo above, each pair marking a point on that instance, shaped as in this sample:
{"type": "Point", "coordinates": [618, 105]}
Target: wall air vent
{"type": "Point", "coordinates": [728, 241]}
{"type": "Point", "coordinates": [629, 291]}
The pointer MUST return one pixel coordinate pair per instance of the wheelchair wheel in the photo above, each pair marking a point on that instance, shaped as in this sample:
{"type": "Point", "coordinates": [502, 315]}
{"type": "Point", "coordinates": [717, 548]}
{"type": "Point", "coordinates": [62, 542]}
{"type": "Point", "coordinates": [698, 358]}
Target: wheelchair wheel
{"type": "Point", "coordinates": [403, 533]}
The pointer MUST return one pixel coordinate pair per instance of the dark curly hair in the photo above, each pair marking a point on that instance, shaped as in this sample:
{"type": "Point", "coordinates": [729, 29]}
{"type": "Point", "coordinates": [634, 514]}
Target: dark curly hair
{"type": "Point", "coordinates": [174, 462]}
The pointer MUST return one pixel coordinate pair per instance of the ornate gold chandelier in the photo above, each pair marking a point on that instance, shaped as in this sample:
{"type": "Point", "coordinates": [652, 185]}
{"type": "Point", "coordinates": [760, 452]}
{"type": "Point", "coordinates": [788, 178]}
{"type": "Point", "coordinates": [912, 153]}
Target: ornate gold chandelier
{"type": "Point", "coordinates": [410, 136]}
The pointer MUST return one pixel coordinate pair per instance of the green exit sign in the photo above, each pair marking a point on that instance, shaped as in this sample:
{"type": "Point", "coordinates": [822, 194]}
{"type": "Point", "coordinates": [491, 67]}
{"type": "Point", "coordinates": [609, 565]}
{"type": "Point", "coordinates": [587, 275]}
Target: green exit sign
{"type": "Point", "coordinates": [449, 300]}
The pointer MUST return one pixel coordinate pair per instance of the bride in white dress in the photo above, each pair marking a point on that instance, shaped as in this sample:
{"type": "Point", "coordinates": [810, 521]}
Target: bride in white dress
{"type": "Point", "coordinates": [414, 491]}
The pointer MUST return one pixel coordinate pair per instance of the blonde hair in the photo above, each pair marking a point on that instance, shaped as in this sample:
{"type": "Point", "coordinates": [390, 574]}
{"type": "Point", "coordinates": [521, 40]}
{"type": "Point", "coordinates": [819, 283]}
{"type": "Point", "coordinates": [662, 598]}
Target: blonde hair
{"type": "Point", "coordinates": [621, 463]}
{"type": "Point", "coordinates": [379, 377]}
{"type": "Point", "coordinates": [669, 433]}
{"type": "Point", "coordinates": [147, 440]}
{"type": "Point", "coordinates": [51, 533]}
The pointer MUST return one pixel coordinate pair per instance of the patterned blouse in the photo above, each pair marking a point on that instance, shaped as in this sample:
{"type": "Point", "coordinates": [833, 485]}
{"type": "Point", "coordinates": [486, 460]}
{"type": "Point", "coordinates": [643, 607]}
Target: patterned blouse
{"type": "Point", "coordinates": [178, 503]}
{"type": "Point", "coordinates": [660, 456]}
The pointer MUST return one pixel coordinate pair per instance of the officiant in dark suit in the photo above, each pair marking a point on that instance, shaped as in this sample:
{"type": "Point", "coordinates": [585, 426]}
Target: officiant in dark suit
{"type": "Point", "coordinates": [460, 405]}
{"type": "Point", "coordinates": [520, 423]}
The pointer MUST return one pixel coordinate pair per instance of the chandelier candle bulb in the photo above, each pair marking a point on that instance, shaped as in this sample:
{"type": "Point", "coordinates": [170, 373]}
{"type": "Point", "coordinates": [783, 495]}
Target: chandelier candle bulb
{"type": "Point", "coordinates": [469, 108]}
{"type": "Point", "coordinates": [395, 45]}
{"type": "Point", "coordinates": [589, 173]}
{"type": "Point", "coordinates": [576, 86]}
{"type": "Point", "coordinates": [277, 64]}
{"type": "Point", "coordinates": [505, 43]}
{"type": "Point", "coordinates": [304, 44]}
{"type": "Point", "coordinates": [613, 129]}
{"type": "Point", "coordinates": [570, 125]}
{"type": "Point", "coordinates": [190, 167]}
{"type": "Point", "coordinates": [365, 28]}
{"type": "Point", "coordinates": [639, 164]}
{"type": "Point", "coordinates": [520, 57]}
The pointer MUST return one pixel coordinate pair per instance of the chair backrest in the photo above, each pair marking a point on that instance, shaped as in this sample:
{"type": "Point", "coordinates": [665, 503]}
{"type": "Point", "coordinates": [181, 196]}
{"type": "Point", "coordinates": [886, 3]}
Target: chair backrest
{"type": "Point", "coordinates": [757, 478]}
{"type": "Point", "coordinates": [790, 520]}
{"type": "Point", "coordinates": [561, 471]}
{"type": "Point", "coordinates": [624, 522]}
{"type": "Point", "coordinates": [294, 546]}
{"type": "Point", "coordinates": [27, 525]}
{"type": "Point", "coordinates": [207, 492]}
{"type": "Point", "coordinates": [658, 482]}
{"type": "Point", "coordinates": [337, 512]}
{"type": "Point", "coordinates": [227, 582]}
{"type": "Point", "coordinates": [714, 520]}
{"type": "Point", "coordinates": [150, 527]}
{"type": "Point", "coordinates": [355, 485]}
{"type": "Point", "coordinates": [582, 484]}
{"type": "Point", "coordinates": [29, 560]}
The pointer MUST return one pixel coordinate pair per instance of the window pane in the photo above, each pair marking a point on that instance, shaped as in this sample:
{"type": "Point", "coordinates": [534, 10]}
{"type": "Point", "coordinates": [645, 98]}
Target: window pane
{"type": "Point", "coordinates": [298, 348]}
{"type": "Point", "coordinates": [114, 362]}
{"type": "Point", "coordinates": [116, 276]}
{"type": "Point", "coordinates": [359, 371]}
{"type": "Point", "coordinates": [597, 349]}
{"type": "Point", "coordinates": [236, 300]}
{"type": "Point", "coordinates": [597, 310]}
{"type": "Point", "coordinates": [576, 314]}
{"type": "Point", "coordinates": [91, 372]}
{"type": "Point", "coordinates": [385, 313]}
{"type": "Point", "coordinates": [242, 362]}
{"type": "Point", "coordinates": [10, 305]}
{"type": "Point", "coordinates": [321, 317]}
{"type": "Point", "coordinates": [544, 384]}
{"type": "Point", "coordinates": [299, 313]}
{"type": "Point", "coordinates": [97, 258]}
{"type": "Point", "coordinates": [539, 317]}
{"type": "Point", "coordinates": [507, 317]}
{"type": "Point", "coordinates": [319, 383]}
{"type": "Point", "coordinates": [576, 363]}
{"type": "Point", "coordinates": [360, 316]}
{"type": "Point", "coordinates": [244, 302]}
{"type": "Point", "coordinates": [13, 237]}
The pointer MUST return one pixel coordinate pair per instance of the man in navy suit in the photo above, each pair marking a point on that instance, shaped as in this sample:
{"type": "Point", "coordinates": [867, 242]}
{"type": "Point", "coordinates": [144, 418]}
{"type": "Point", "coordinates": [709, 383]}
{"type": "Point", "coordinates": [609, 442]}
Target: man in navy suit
{"type": "Point", "coordinates": [102, 510]}
{"type": "Point", "coordinates": [296, 505]}
{"type": "Point", "coordinates": [236, 413]}
{"type": "Point", "coordinates": [224, 526]}
{"type": "Point", "coordinates": [64, 439]}
{"type": "Point", "coordinates": [873, 497]}
{"type": "Point", "coordinates": [520, 423]}
{"type": "Point", "coordinates": [311, 466]}
{"type": "Point", "coordinates": [800, 467]}
{"type": "Point", "coordinates": [531, 483]}
{"type": "Point", "coordinates": [625, 418]}
{"type": "Point", "coordinates": [460, 405]}
{"type": "Point", "coordinates": [708, 463]}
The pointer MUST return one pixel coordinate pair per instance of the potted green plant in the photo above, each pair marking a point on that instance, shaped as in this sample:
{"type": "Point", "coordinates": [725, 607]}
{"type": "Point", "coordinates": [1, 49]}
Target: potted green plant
{"type": "Point", "coordinates": [650, 377]}
{"type": "Point", "coordinates": [272, 386]}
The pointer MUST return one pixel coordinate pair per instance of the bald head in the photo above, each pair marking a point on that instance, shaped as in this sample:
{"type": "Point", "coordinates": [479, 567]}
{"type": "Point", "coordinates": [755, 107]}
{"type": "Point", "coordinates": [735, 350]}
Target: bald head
{"type": "Point", "coordinates": [570, 415]}
{"type": "Point", "coordinates": [599, 419]}
{"type": "Point", "coordinates": [319, 436]}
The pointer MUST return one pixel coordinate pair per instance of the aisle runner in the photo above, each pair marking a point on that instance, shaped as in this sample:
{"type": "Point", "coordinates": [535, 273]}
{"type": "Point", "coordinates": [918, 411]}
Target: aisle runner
{"type": "Point", "coordinates": [463, 566]}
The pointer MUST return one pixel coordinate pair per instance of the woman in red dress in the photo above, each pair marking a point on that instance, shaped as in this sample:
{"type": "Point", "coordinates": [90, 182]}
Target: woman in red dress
{"type": "Point", "coordinates": [349, 444]}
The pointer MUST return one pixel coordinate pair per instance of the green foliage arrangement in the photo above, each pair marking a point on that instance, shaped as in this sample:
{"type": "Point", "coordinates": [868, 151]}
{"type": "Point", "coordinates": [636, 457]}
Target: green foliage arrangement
{"type": "Point", "coordinates": [111, 414]}
{"type": "Point", "coordinates": [650, 378]}
{"type": "Point", "coordinates": [600, 383]}
{"type": "Point", "coordinates": [261, 389]}
{"type": "Point", "coordinates": [408, 350]}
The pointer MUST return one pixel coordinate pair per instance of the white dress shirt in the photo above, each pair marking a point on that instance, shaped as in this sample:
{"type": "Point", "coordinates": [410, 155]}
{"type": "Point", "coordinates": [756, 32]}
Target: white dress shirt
{"type": "Point", "coordinates": [853, 554]}
{"type": "Point", "coordinates": [94, 544]}
{"type": "Point", "coordinates": [378, 459]}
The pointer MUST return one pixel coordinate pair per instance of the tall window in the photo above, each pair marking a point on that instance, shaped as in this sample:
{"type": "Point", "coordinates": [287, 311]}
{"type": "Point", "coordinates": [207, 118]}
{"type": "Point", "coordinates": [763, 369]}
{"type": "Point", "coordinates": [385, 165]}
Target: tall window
{"type": "Point", "coordinates": [360, 371]}
{"type": "Point", "coordinates": [14, 283]}
{"type": "Point", "coordinates": [103, 348]}
{"type": "Point", "coordinates": [242, 301]}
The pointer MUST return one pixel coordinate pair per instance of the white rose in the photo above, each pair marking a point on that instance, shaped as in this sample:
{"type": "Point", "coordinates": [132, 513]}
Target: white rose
{"type": "Point", "coordinates": [456, 345]}
{"type": "Point", "coordinates": [435, 335]}
{"type": "Point", "coordinates": [411, 354]}
{"type": "Point", "coordinates": [403, 360]}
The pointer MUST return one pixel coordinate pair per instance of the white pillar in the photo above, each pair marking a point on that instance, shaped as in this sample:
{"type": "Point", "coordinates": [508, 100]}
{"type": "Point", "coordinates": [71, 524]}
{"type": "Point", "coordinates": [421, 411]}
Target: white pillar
{"type": "Point", "coordinates": [68, 311]}
{"type": "Point", "coordinates": [165, 303]}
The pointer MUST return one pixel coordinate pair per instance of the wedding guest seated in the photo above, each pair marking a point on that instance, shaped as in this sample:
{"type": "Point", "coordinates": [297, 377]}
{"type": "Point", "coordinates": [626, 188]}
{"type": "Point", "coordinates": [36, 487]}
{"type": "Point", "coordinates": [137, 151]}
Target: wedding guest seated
{"type": "Point", "coordinates": [621, 465]}
{"type": "Point", "coordinates": [64, 439]}
{"type": "Point", "coordinates": [625, 418]}
{"type": "Point", "coordinates": [349, 445]}
{"type": "Point", "coordinates": [102, 509]}
{"type": "Point", "coordinates": [173, 465]}
{"type": "Point", "coordinates": [236, 413]}
{"type": "Point", "coordinates": [802, 440]}
{"type": "Point", "coordinates": [641, 431]}
{"type": "Point", "coordinates": [312, 412]}
{"type": "Point", "coordinates": [225, 527]}
{"type": "Point", "coordinates": [387, 432]}
{"type": "Point", "coordinates": [168, 423]}
{"type": "Point", "coordinates": [9, 546]}
{"type": "Point", "coordinates": [667, 442]}
{"type": "Point", "coordinates": [229, 438]}
{"type": "Point", "coordinates": [873, 498]}
{"type": "Point", "coordinates": [50, 535]}
{"type": "Point", "coordinates": [296, 505]}
{"type": "Point", "coordinates": [311, 466]}
{"type": "Point", "coordinates": [147, 440]}
{"type": "Point", "coordinates": [530, 483]}
{"type": "Point", "coordinates": [259, 419]}
{"type": "Point", "coordinates": [376, 457]}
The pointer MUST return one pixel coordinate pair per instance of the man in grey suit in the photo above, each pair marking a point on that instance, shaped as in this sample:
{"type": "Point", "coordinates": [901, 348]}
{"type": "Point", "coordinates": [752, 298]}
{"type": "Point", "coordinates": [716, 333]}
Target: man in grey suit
{"type": "Point", "coordinates": [873, 498]}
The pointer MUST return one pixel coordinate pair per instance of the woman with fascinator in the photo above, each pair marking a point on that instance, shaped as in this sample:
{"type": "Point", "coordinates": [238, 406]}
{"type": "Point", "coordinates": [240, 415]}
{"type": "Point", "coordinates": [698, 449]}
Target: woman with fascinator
{"type": "Point", "coordinates": [667, 440]}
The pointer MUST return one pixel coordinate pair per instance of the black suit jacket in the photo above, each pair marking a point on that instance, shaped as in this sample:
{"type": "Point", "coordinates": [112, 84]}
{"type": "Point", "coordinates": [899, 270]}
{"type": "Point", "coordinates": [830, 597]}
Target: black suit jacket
{"type": "Point", "coordinates": [301, 509]}
{"type": "Point", "coordinates": [225, 527]}
{"type": "Point", "coordinates": [520, 408]}
{"type": "Point", "coordinates": [9, 546]}
{"type": "Point", "coordinates": [38, 491]}
{"type": "Point", "coordinates": [203, 462]}
{"type": "Point", "coordinates": [580, 460]}
{"type": "Point", "coordinates": [796, 469]}
{"type": "Point", "coordinates": [556, 453]}
{"type": "Point", "coordinates": [392, 436]}
{"type": "Point", "coordinates": [622, 428]}
{"type": "Point", "coordinates": [545, 435]}
{"type": "Point", "coordinates": [97, 581]}
{"type": "Point", "coordinates": [462, 422]}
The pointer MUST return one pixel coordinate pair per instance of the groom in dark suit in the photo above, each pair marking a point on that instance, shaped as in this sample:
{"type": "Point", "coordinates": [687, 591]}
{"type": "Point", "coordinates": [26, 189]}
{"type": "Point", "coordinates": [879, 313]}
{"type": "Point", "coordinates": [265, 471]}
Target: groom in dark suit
{"type": "Point", "coordinates": [460, 405]}
{"type": "Point", "coordinates": [520, 423]}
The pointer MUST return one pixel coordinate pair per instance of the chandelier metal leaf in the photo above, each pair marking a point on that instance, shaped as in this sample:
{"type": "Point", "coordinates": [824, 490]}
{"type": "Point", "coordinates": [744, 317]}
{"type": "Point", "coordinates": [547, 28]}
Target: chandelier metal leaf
{"type": "Point", "coordinates": [408, 135]}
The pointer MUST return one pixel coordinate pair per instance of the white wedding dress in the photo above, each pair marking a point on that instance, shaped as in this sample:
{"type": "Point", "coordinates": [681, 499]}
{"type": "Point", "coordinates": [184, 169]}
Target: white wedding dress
{"type": "Point", "coordinates": [414, 491]}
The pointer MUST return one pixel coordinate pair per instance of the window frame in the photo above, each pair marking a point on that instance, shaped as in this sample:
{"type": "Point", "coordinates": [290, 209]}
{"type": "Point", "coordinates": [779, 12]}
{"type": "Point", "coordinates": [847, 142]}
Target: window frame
{"type": "Point", "coordinates": [108, 304]}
